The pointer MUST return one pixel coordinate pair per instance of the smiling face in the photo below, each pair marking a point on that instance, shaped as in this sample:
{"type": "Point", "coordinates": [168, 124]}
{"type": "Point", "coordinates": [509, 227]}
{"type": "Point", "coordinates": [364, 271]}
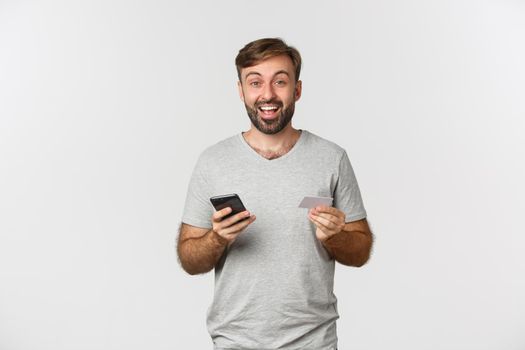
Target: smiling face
{"type": "Point", "coordinates": [269, 91]}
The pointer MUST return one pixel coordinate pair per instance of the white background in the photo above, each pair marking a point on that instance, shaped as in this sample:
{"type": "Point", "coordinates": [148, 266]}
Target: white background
{"type": "Point", "coordinates": [105, 106]}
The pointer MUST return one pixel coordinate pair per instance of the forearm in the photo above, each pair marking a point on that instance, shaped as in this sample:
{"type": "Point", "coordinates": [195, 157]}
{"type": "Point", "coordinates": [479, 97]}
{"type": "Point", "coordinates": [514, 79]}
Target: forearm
{"type": "Point", "coordinates": [201, 254]}
{"type": "Point", "coordinates": [351, 248]}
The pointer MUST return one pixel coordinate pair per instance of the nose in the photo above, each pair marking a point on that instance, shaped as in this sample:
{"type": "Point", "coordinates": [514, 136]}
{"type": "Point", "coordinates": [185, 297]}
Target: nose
{"type": "Point", "coordinates": [268, 92]}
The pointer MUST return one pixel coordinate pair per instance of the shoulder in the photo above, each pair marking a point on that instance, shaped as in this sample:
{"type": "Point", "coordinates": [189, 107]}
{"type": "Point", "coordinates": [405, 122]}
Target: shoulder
{"type": "Point", "coordinates": [219, 150]}
{"type": "Point", "coordinates": [324, 146]}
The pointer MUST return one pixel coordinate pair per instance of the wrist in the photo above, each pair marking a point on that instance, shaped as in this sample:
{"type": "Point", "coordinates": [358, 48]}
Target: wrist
{"type": "Point", "coordinates": [218, 239]}
{"type": "Point", "coordinates": [329, 241]}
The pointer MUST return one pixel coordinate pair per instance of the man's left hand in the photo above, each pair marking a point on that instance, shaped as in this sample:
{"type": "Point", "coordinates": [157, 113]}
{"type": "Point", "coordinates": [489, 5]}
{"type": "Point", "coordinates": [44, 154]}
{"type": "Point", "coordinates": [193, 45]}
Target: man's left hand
{"type": "Point", "coordinates": [328, 220]}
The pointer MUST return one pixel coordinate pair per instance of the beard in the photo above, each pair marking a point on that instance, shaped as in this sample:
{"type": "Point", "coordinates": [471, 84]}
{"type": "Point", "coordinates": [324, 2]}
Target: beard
{"type": "Point", "coordinates": [271, 127]}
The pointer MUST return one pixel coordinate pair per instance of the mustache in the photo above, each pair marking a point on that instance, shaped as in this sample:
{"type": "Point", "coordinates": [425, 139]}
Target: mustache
{"type": "Point", "coordinates": [268, 102]}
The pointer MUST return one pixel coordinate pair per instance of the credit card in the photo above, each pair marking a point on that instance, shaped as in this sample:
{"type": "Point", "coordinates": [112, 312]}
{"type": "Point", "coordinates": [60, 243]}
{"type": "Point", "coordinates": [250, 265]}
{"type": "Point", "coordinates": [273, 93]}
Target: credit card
{"type": "Point", "coordinates": [312, 202]}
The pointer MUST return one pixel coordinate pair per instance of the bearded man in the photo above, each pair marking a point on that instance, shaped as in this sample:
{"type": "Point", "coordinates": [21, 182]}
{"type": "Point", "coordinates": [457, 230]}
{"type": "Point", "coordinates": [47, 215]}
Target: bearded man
{"type": "Point", "coordinates": [274, 263]}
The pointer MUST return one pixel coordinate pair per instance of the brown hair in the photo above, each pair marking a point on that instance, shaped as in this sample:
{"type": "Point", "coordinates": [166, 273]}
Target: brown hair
{"type": "Point", "coordinates": [262, 49]}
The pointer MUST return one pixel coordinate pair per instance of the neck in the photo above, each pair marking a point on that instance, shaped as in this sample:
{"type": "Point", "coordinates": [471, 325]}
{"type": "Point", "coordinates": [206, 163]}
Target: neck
{"type": "Point", "coordinates": [272, 146]}
{"type": "Point", "coordinates": [261, 141]}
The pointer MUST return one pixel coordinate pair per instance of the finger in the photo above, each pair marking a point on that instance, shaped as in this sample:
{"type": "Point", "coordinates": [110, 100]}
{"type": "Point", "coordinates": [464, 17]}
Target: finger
{"type": "Point", "coordinates": [334, 219]}
{"type": "Point", "coordinates": [237, 228]}
{"type": "Point", "coordinates": [218, 215]}
{"type": "Point", "coordinates": [235, 218]}
{"type": "Point", "coordinates": [321, 227]}
{"type": "Point", "coordinates": [330, 210]}
{"type": "Point", "coordinates": [324, 222]}
{"type": "Point", "coordinates": [322, 231]}
{"type": "Point", "coordinates": [317, 224]}
{"type": "Point", "coordinates": [327, 224]}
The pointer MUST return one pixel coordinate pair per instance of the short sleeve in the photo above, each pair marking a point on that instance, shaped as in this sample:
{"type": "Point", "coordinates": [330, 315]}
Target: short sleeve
{"type": "Point", "coordinates": [347, 196]}
{"type": "Point", "coordinates": [197, 208]}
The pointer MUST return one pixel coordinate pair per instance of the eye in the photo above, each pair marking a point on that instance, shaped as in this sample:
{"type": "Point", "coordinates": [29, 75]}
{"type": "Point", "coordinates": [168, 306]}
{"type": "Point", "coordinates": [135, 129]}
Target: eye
{"type": "Point", "coordinates": [280, 82]}
{"type": "Point", "coordinates": [255, 83]}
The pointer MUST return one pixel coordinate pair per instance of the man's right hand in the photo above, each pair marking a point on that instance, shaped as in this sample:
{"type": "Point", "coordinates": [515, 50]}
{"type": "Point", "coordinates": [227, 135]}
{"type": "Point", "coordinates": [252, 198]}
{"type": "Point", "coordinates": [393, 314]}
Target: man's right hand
{"type": "Point", "coordinates": [228, 229]}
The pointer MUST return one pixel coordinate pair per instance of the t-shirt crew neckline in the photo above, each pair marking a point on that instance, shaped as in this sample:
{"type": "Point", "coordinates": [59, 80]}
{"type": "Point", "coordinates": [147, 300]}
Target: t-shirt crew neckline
{"type": "Point", "coordinates": [260, 158]}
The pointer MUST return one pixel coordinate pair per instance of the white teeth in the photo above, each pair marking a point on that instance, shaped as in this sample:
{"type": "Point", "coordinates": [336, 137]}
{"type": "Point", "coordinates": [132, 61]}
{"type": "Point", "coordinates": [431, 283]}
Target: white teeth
{"type": "Point", "coordinates": [268, 108]}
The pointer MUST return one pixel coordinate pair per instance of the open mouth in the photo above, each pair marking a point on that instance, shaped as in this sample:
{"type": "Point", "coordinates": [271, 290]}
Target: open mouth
{"type": "Point", "coordinates": [268, 111]}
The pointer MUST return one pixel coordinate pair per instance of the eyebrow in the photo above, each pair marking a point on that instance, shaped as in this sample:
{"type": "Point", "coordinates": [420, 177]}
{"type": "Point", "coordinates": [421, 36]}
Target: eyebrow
{"type": "Point", "coordinates": [254, 73]}
{"type": "Point", "coordinates": [259, 74]}
{"type": "Point", "coordinates": [281, 72]}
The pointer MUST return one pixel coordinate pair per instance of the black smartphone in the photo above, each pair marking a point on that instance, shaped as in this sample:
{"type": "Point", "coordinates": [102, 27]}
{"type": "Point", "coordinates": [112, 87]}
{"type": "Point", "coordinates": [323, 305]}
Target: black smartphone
{"type": "Point", "coordinates": [228, 200]}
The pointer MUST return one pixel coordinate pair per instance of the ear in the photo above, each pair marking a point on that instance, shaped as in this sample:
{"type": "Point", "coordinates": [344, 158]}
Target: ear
{"type": "Point", "coordinates": [298, 89]}
{"type": "Point", "coordinates": [241, 94]}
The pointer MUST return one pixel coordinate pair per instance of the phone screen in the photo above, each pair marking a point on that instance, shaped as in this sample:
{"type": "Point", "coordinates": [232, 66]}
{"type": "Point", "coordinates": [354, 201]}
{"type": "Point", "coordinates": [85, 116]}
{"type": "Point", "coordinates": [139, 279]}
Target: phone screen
{"type": "Point", "coordinates": [228, 200]}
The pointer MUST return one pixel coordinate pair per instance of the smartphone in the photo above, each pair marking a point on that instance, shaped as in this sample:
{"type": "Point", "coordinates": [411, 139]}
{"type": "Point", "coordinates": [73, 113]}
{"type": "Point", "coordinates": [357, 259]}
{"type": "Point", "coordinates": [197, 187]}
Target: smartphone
{"type": "Point", "coordinates": [228, 200]}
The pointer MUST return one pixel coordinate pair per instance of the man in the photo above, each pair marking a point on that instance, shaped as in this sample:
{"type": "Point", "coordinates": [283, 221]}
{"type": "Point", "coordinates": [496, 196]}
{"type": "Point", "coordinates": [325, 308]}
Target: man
{"type": "Point", "coordinates": [274, 263]}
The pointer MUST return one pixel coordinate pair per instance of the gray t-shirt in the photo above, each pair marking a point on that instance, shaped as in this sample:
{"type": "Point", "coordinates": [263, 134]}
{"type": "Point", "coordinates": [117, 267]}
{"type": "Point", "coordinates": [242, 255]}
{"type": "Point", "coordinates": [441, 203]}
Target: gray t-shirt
{"type": "Point", "coordinates": [274, 284]}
